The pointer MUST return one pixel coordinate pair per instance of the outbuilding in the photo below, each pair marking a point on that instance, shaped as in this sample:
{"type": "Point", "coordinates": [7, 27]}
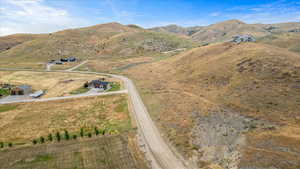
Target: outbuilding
{"type": "Point", "coordinates": [37, 94]}
{"type": "Point", "coordinates": [21, 90]}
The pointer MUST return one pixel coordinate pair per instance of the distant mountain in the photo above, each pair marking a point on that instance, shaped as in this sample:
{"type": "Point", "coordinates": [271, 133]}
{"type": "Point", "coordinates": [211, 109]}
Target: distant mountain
{"type": "Point", "coordinates": [224, 31]}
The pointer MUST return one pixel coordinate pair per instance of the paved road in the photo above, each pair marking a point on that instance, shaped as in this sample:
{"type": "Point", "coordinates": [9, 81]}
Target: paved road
{"type": "Point", "coordinates": [26, 100]}
{"type": "Point", "coordinates": [77, 66]}
{"type": "Point", "coordinates": [159, 152]}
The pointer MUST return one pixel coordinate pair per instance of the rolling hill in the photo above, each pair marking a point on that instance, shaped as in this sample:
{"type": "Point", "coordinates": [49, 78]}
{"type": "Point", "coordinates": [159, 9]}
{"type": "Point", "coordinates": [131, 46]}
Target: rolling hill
{"type": "Point", "coordinates": [111, 41]}
{"type": "Point", "coordinates": [228, 104]}
{"type": "Point", "coordinates": [223, 31]}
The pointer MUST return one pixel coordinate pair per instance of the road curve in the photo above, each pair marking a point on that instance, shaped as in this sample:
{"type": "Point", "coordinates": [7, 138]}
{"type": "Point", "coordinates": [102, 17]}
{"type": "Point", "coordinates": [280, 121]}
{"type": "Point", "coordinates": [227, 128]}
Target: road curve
{"type": "Point", "coordinates": [160, 153]}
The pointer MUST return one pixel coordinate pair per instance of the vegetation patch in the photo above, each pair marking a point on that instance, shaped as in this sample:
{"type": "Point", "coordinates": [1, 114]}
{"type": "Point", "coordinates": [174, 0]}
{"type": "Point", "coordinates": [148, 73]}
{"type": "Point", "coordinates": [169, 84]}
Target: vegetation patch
{"type": "Point", "coordinates": [80, 90]}
{"type": "Point", "coordinates": [115, 86]}
{"type": "Point", "coordinates": [9, 107]}
{"type": "Point", "coordinates": [4, 92]}
{"type": "Point", "coordinates": [40, 119]}
{"type": "Point", "coordinates": [95, 153]}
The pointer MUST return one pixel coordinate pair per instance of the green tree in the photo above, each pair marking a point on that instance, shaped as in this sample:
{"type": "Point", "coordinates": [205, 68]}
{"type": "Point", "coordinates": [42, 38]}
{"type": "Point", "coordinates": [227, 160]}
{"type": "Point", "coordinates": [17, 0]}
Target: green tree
{"type": "Point", "coordinates": [42, 140]}
{"type": "Point", "coordinates": [34, 141]}
{"type": "Point", "coordinates": [50, 137]}
{"type": "Point", "coordinates": [81, 132]}
{"type": "Point", "coordinates": [96, 131]}
{"type": "Point", "coordinates": [67, 136]}
{"type": "Point", "coordinates": [58, 136]}
{"type": "Point", "coordinates": [75, 137]}
{"type": "Point", "coordinates": [89, 135]}
{"type": "Point", "coordinates": [1, 145]}
{"type": "Point", "coordinates": [10, 144]}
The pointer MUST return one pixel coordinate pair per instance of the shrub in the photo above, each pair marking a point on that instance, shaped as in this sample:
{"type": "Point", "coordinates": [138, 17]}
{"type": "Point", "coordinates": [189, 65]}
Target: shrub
{"type": "Point", "coordinates": [67, 136]}
{"type": "Point", "coordinates": [96, 131]}
{"type": "Point", "coordinates": [34, 141]}
{"type": "Point", "coordinates": [74, 137]}
{"type": "Point", "coordinates": [50, 138]}
{"type": "Point", "coordinates": [10, 144]}
{"type": "Point", "coordinates": [81, 132]}
{"type": "Point", "coordinates": [58, 136]}
{"type": "Point", "coordinates": [42, 140]}
{"type": "Point", "coordinates": [1, 145]}
{"type": "Point", "coordinates": [89, 135]}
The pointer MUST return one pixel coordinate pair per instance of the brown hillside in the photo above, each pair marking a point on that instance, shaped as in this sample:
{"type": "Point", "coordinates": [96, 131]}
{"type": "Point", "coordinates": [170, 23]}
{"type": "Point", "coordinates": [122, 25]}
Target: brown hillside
{"type": "Point", "coordinates": [211, 102]}
{"type": "Point", "coordinates": [111, 41]}
{"type": "Point", "coordinates": [223, 31]}
{"type": "Point", "coordinates": [10, 41]}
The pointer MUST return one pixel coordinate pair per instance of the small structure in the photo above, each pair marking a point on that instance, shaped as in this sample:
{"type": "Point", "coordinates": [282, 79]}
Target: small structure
{"type": "Point", "coordinates": [58, 62]}
{"type": "Point", "coordinates": [64, 60]}
{"type": "Point", "coordinates": [98, 84]}
{"type": "Point", "coordinates": [21, 90]}
{"type": "Point", "coordinates": [72, 59]}
{"type": "Point", "coordinates": [69, 59]}
{"type": "Point", "coordinates": [37, 94]}
{"type": "Point", "coordinates": [243, 38]}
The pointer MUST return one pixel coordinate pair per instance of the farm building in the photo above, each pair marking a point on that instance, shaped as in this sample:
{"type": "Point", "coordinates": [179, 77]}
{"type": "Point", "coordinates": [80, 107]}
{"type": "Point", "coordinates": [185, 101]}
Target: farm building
{"type": "Point", "coordinates": [21, 90]}
{"type": "Point", "coordinates": [98, 84]}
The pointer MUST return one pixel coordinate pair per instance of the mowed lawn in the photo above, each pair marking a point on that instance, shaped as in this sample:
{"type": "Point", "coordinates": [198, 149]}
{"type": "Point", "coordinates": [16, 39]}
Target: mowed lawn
{"type": "Point", "coordinates": [109, 152]}
{"type": "Point", "coordinates": [53, 83]}
{"type": "Point", "coordinates": [21, 123]}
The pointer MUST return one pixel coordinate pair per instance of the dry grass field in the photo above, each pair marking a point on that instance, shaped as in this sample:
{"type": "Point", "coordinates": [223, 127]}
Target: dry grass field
{"type": "Point", "coordinates": [110, 152]}
{"type": "Point", "coordinates": [21, 123]}
{"type": "Point", "coordinates": [111, 42]}
{"type": "Point", "coordinates": [250, 89]}
{"type": "Point", "coordinates": [55, 84]}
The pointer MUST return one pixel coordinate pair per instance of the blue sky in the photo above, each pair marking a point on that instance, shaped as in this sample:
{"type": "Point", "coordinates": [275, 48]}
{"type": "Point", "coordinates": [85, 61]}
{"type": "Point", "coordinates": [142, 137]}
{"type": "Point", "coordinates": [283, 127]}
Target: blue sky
{"type": "Point", "coordinates": [42, 16]}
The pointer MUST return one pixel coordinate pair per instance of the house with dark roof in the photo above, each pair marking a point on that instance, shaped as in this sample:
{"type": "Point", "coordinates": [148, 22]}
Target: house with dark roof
{"type": "Point", "coordinates": [21, 90]}
{"type": "Point", "coordinates": [69, 59]}
{"type": "Point", "coordinates": [98, 84]}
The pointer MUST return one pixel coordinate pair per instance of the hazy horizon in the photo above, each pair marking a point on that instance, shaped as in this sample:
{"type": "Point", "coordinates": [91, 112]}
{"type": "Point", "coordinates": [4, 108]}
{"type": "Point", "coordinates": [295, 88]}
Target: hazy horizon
{"type": "Point", "coordinates": [45, 16]}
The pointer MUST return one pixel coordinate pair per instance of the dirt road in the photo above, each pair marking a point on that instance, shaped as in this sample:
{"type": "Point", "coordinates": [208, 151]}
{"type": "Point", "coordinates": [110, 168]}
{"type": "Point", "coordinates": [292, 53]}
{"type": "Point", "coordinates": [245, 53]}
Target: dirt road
{"type": "Point", "coordinates": [160, 154]}
{"type": "Point", "coordinates": [77, 66]}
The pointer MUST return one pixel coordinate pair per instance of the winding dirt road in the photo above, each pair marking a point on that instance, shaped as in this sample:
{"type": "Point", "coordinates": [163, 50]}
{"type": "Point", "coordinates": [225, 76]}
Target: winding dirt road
{"type": "Point", "coordinates": [160, 154]}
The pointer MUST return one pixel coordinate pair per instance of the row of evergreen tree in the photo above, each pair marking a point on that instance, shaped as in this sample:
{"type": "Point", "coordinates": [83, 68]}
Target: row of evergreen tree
{"type": "Point", "coordinates": [3, 145]}
{"type": "Point", "coordinates": [58, 136]}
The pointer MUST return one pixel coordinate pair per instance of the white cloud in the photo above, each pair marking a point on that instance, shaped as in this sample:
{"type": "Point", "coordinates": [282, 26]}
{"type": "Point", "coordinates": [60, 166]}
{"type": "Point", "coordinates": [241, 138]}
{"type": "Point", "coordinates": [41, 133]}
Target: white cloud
{"type": "Point", "coordinates": [34, 16]}
{"type": "Point", "coordinates": [275, 12]}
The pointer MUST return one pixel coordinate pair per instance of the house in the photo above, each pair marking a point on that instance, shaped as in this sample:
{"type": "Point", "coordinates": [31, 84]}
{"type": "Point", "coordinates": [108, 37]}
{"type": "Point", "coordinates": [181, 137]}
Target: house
{"type": "Point", "coordinates": [69, 59]}
{"type": "Point", "coordinates": [64, 59]}
{"type": "Point", "coordinates": [72, 59]}
{"type": "Point", "coordinates": [37, 94]}
{"type": "Point", "coordinates": [21, 90]}
{"type": "Point", "coordinates": [243, 38]}
{"type": "Point", "coordinates": [98, 84]}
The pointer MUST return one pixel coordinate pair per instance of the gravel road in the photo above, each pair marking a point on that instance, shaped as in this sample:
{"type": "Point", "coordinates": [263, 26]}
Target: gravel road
{"type": "Point", "coordinates": [160, 154]}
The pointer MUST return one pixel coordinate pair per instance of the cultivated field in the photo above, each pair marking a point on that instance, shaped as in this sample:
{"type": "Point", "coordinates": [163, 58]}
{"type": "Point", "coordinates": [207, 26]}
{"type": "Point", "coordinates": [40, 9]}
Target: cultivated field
{"type": "Point", "coordinates": [55, 84]}
{"type": "Point", "coordinates": [110, 152]}
{"type": "Point", "coordinates": [21, 123]}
